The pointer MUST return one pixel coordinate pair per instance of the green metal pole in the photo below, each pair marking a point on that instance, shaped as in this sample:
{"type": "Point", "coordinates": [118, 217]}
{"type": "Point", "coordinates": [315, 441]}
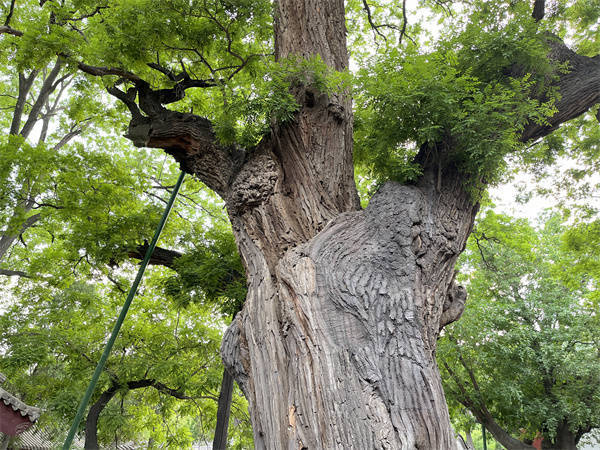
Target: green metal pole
{"type": "Point", "coordinates": [117, 327]}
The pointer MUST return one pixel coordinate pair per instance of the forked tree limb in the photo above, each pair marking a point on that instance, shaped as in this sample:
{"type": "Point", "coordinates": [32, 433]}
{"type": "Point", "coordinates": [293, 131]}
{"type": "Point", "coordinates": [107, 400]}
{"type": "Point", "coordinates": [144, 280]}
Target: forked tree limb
{"type": "Point", "coordinates": [25, 84]}
{"type": "Point", "coordinates": [49, 85]}
{"type": "Point", "coordinates": [6, 29]}
{"type": "Point", "coordinates": [189, 138]}
{"type": "Point", "coordinates": [578, 88]}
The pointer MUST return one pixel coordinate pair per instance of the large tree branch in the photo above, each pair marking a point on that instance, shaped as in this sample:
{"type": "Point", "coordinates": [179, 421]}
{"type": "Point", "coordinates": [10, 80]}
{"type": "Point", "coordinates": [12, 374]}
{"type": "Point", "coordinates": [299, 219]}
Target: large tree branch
{"type": "Point", "coordinates": [191, 141]}
{"type": "Point", "coordinates": [539, 7]}
{"type": "Point", "coordinates": [183, 82]}
{"type": "Point", "coordinates": [91, 424]}
{"type": "Point", "coordinates": [9, 30]}
{"type": "Point", "coordinates": [48, 86]}
{"type": "Point", "coordinates": [14, 273]}
{"type": "Point", "coordinates": [223, 412]}
{"type": "Point", "coordinates": [7, 239]}
{"type": "Point", "coordinates": [479, 409]}
{"type": "Point", "coordinates": [51, 109]}
{"type": "Point", "coordinates": [160, 256]}
{"type": "Point", "coordinates": [25, 83]}
{"type": "Point", "coordinates": [187, 137]}
{"type": "Point", "coordinates": [67, 137]}
{"type": "Point", "coordinates": [10, 13]}
{"type": "Point", "coordinates": [103, 71]}
{"type": "Point", "coordinates": [160, 387]}
{"type": "Point", "coordinates": [579, 89]}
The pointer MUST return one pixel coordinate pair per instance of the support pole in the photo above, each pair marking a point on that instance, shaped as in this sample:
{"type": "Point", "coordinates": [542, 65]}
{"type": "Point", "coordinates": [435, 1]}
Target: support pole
{"type": "Point", "coordinates": [484, 439]}
{"type": "Point", "coordinates": [109, 345]}
{"type": "Point", "coordinates": [223, 411]}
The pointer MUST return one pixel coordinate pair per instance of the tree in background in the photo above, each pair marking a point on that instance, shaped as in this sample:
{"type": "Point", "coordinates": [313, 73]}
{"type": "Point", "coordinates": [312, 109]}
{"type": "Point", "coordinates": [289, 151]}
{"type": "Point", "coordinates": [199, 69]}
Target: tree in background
{"type": "Point", "coordinates": [164, 377]}
{"type": "Point", "coordinates": [74, 214]}
{"type": "Point", "coordinates": [335, 345]}
{"type": "Point", "coordinates": [524, 357]}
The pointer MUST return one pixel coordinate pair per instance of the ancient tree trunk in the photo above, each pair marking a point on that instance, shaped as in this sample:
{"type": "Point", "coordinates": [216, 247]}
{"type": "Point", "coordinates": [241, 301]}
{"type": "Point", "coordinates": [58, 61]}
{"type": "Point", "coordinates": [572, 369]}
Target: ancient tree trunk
{"type": "Point", "coordinates": [565, 439]}
{"type": "Point", "coordinates": [335, 346]}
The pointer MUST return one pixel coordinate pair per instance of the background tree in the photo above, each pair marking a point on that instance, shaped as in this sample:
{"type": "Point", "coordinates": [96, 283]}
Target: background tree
{"type": "Point", "coordinates": [161, 385]}
{"type": "Point", "coordinates": [524, 357]}
{"type": "Point", "coordinates": [335, 345]}
{"type": "Point", "coordinates": [74, 212]}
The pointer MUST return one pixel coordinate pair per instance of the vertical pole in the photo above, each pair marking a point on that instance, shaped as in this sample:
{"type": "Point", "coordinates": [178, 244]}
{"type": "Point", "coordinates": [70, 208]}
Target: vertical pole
{"type": "Point", "coordinates": [109, 345]}
{"type": "Point", "coordinates": [223, 411]}
{"type": "Point", "coordinates": [484, 439]}
{"type": "Point", "coordinates": [224, 407]}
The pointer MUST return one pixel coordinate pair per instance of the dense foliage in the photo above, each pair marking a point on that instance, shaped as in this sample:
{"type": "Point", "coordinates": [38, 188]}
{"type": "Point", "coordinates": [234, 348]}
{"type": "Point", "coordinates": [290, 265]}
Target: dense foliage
{"type": "Point", "coordinates": [469, 97]}
{"type": "Point", "coordinates": [53, 342]}
{"type": "Point", "coordinates": [76, 203]}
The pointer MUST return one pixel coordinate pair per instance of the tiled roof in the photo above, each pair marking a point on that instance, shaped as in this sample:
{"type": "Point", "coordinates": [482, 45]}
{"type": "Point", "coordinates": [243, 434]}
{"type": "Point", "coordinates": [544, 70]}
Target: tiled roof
{"type": "Point", "coordinates": [17, 405]}
{"type": "Point", "coordinates": [44, 439]}
{"type": "Point", "coordinates": [49, 439]}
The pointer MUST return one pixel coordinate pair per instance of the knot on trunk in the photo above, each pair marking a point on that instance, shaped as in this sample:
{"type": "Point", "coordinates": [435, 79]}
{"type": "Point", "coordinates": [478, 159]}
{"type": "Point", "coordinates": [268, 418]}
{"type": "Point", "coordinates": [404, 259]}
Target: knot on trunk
{"type": "Point", "coordinates": [234, 352]}
{"type": "Point", "coordinates": [139, 131]}
{"type": "Point", "coordinates": [254, 183]}
{"type": "Point", "coordinates": [454, 305]}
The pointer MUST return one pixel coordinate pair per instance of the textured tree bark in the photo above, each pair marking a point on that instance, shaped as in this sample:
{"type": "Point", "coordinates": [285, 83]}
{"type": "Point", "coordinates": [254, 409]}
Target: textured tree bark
{"type": "Point", "coordinates": [579, 88]}
{"type": "Point", "coordinates": [335, 346]}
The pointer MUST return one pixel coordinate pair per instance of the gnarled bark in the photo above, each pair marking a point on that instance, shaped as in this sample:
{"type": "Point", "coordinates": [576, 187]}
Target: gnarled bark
{"type": "Point", "coordinates": [335, 348]}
